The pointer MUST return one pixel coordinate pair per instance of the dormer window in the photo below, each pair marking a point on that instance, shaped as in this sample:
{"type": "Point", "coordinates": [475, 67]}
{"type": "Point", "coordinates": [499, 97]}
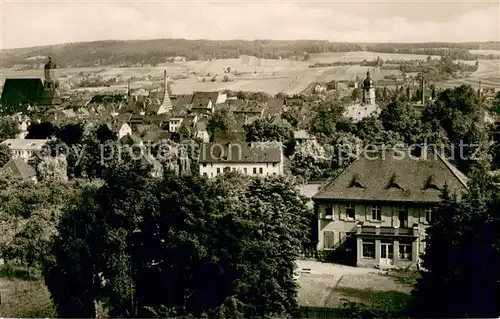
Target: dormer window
{"type": "Point", "coordinates": [356, 182]}
{"type": "Point", "coordinates": [394, 182]}
{"type": "Point", "coordinates": [431, 183]}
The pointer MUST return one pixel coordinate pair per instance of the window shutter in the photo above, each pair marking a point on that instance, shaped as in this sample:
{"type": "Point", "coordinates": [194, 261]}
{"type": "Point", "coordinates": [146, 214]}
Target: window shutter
{"type": "Point", "coordinates": [421, 214]}
{"type": "Point", "coordinates": [368, 210]}
{"type": "Point", "coordinates": [341, 212]}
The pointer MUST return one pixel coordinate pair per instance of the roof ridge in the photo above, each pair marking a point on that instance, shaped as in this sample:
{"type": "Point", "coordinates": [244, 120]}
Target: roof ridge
{"type": "Point", "coordinates": [455, 171]}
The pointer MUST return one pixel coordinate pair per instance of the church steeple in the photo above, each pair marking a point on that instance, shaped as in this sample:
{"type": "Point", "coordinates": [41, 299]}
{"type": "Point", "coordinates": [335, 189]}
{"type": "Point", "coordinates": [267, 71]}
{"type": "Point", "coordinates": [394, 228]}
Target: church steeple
{"type": "Point", "coordinates": [368, 90]}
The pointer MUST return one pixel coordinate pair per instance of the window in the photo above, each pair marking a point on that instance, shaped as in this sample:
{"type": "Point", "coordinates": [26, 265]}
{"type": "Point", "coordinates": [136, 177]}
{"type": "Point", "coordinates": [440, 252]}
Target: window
{"type": "Point", "coordinates": [227, 169]}
{"type": "Point", "coordinates": [260, 170]}
{"type": "Point", "coordinates": [350, 211]}
{"type": "Point", "coordinates": [218, 170]}
{"type": "Point", "coordinates": [274, 173]}
{"type": "Point", "coordinates": [255, 170]}
{"type": "Point", "coordinates": [204, 164]}
{"type": "Point", "coordinates": [329, 211]}
{"type": "Point", "coordinates": [403, 216]}
{"type": "Point", "coordinates": [428, 214]}
{"type": "Point", "coordinates": [405, 251]}
{"type": "Point", "coordinates": [245, 170]}
{"type": "Point", "coordinates": [427, 241]}
{"type": "Point", "coordinates": [368, 249]}
{"type": "Point", "coordinates": [376, 214]}
{"type": "Point", "coordinates": [328, 238]}
{"type": "Point", "coordinates": [205, 175]}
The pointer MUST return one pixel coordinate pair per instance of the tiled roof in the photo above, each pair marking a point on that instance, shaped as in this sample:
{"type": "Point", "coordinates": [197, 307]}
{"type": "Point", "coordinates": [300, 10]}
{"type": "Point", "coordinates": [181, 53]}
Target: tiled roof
{"type": "Point", "coordinates": [239, 153]}
{"type": "Point", "coordinates": [18, 167]}
{"type": "Point", "coordinates": [389, 176]}
{"type": "Point", "coordinates": [200, 99]}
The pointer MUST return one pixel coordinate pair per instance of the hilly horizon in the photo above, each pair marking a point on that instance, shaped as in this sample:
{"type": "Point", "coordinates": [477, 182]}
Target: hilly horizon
{"type": "Point", "coordinates": [155, 51]}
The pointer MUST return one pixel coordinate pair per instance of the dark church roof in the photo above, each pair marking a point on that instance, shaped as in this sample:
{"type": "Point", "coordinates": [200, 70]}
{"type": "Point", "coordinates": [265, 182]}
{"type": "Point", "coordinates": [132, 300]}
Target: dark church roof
{"type": "Point", "coordinates": [21, 91]}
{"type": "Point", "coordinates": [368, 82]}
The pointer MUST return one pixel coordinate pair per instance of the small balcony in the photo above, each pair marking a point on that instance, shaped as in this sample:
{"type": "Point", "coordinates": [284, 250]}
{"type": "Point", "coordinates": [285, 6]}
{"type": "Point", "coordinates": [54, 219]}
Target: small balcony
{"type": "Point", "coordinates": [384, 231]}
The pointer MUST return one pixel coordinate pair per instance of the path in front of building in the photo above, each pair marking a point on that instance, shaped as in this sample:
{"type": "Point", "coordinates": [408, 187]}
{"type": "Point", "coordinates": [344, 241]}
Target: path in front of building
{"type": "Point", "coordinates": [322, 285]}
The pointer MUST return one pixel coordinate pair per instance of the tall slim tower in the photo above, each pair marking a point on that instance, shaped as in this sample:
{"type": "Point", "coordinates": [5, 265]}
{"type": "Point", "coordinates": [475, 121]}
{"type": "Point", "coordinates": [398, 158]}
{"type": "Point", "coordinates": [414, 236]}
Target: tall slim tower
{"type": "Point", "coordinates": [49, 67]}
{"type": "Point", "coordinates": [368, 90]}
{"type": "Point", "coordinates": [166, 105]}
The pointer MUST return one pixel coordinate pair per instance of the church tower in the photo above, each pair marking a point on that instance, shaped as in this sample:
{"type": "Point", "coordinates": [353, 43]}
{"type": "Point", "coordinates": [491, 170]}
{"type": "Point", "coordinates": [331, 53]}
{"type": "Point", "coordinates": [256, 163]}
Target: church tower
{"type": "Point", "coordinates": [368, 90]}
{"type": "Point", "coordinates": [49, 81]}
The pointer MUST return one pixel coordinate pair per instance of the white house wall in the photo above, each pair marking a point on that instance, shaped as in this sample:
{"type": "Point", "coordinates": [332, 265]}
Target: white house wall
{"type": "Point", "coordinates": [210, 169]}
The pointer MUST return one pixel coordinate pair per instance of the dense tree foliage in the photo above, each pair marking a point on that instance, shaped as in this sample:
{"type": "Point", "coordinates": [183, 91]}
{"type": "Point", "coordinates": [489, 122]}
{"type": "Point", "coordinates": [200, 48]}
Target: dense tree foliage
{"type": "Point", "coordinates": [5, 155]}
{"type": "Point", "coordinates": [29, 213]}
{"type": "Point", "coordinates": [402, 118]}
{"type": "Point", "coordinates": [459, 112]}
{"type": "Point", "coordinates": [8, 128]}
{"type": "Point", "coordinates": [271, 129]}
{"type": "Point", "coordinates": [180, 246]}
{"type": "Point", "coordinates": [311, 161]}
{"type": "Point", "coordinates": [462, 255]}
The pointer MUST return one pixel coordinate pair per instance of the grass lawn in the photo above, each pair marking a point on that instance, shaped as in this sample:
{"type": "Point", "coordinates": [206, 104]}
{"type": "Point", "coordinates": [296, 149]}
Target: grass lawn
{"type": "Point", "coordinates": [23, 296]}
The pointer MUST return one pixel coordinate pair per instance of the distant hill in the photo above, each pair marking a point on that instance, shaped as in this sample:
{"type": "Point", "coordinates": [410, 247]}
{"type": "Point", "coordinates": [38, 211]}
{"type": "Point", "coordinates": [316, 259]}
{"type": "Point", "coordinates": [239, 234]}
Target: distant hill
{"type": "Point", "coordinates": [101, 53]}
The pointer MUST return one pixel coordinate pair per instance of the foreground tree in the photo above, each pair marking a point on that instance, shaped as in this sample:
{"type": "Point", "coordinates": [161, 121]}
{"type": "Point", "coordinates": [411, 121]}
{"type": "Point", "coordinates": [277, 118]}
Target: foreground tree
{"type": "Point", "coordinates": [5, 155]}
{"type": "Point", "coordinates": [8, 128]}
{"type": "Point", "coordinates": [463, 252]}
{"type": "Point", "coordinates": [180, 246]}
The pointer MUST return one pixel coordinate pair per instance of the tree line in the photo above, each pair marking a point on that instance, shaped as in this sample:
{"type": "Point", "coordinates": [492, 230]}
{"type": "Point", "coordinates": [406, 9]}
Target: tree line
{"type": "Point", "coordinates": [87, 54]}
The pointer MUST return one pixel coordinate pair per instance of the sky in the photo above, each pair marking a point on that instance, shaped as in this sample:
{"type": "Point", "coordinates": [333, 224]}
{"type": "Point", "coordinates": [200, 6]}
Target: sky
{"type": "Point", "coordinates": [25, 23]}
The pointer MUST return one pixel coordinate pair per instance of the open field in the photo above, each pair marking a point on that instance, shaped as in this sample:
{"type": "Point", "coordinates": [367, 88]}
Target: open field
{"type": "Point", "coordinates": [264, 75]}
{"type": "Point", "coordinates": [359, 56]}
{"type": "Point", "coordinates": [488, 73]}
{"type": "Point", "coordinates": [494, 52]}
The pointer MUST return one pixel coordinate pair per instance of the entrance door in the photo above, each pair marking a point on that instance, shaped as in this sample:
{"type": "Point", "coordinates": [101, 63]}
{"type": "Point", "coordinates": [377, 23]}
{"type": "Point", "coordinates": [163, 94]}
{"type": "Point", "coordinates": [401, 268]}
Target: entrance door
{"type": "Point", "coordinates": [386, 253]}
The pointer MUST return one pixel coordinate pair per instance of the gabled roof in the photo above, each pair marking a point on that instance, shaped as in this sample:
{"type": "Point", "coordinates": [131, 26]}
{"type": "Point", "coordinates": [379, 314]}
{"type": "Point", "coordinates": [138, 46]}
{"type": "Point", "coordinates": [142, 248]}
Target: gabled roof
{"type": "Point", "coordinates": [117, 126]}
{"type": "Point", "coordinates": [18, 167]}
{"type": "Point", "coordinates": [21, 91]}
{"type": "Point", "coordinates": [239, 153]}
{"type": "Point", "coordinates": [181, 101]}
{"type": "Point", "coordinates": [390, 176]}
{"type": "Point", "coordinates": [200, 99]}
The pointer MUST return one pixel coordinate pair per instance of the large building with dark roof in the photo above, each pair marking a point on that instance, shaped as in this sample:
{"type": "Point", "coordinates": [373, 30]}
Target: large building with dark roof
{"type": "Point", "coordinates": [19, 93]}
{"type": "Point", "coordinates": [377, 210]}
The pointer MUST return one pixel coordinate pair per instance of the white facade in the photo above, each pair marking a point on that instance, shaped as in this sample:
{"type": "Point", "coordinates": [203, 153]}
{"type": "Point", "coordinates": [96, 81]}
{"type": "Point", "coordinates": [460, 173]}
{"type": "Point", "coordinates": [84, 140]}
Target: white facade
{"type": "Point", "coordinates": [203, 135]}
{"type": "Point", "coordinates": [124, 130]}
{"type": "Point", "coordinates": [252, 169]}
{"type": "Point", "coordinates": [24, 148]}
{"type": "Point", "coordinates": [174, 124]}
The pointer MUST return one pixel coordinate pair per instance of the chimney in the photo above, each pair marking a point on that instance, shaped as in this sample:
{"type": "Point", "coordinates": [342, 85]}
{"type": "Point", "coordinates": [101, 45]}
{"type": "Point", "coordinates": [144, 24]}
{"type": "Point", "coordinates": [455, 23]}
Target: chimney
{"type": "Point", "coordinates": [165, 80]}
{"type": "Point", "coordinates": [479, 90]}
{"type": "Point", "coordinates": [422, 89]}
